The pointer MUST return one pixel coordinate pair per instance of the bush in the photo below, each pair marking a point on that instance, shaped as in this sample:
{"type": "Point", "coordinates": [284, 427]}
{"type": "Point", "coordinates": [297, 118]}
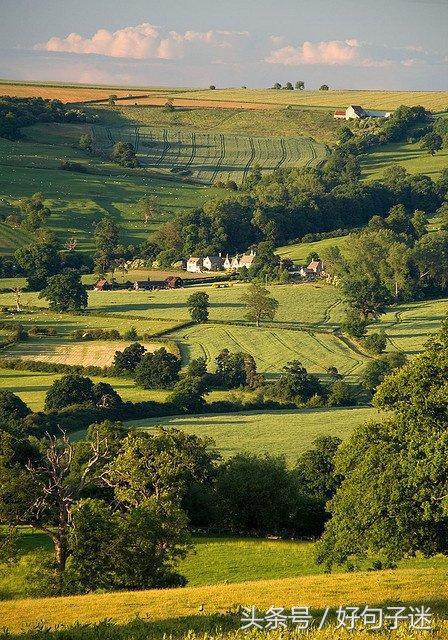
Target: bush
{"type": "Point", "coordinates": [340, 395]}
{"type": "Point", "coordinates": [69, 390]}
{"type": "Point", "coordinates": [188, 395]}
{"type": "Point", "coordinates": [375, 342]}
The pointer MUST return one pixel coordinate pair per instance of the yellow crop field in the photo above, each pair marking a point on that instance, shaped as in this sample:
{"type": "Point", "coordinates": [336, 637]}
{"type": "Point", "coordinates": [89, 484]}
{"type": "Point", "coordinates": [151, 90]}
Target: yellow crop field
{"type": "Point", "coordinates": [433, 100]}
{"type": "Point", "coordinates": [419, 586]}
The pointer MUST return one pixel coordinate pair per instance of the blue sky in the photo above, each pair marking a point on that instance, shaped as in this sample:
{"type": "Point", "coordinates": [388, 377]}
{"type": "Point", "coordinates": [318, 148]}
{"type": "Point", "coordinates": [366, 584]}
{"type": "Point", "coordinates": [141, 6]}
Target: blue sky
{"type": "Point", "coordinates": [390, 44]}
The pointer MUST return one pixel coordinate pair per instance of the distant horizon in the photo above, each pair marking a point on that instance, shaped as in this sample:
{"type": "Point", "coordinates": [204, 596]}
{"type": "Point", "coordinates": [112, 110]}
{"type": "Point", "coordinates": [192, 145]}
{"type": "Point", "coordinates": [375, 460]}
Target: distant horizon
{"type": "Point", "coordinates": [154, 87]}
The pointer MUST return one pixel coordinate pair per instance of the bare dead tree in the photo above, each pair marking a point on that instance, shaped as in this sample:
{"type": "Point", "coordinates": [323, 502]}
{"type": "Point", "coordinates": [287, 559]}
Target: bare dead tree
{"type": "Point", "coordinates": [71, 244]}
{"type": "Point", "coordinates": [17, 291]}
{"type": "Point", "coordinates": [57, 492]}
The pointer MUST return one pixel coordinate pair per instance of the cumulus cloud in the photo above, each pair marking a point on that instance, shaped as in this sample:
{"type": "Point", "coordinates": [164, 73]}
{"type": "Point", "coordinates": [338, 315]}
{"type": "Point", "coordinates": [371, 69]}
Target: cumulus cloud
{"type": "Point", "coordinates": [141, 42]}
{"type": "Point", "coordinates": [350, 52]}
{"type": "Point", "coordinates": [338, 52]}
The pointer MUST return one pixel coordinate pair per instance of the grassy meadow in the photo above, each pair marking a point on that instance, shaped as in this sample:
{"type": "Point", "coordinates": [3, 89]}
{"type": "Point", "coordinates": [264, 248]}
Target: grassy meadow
{"type": "Point", "coordinates": [287, 432]}
{"type": "Point", "coordinates": [408, 155]}
{"type": "Point", "coordinates": [419, 586]}
{"type": "Point", "coordinates": [279, 121]}
{"type": "Point", "coordinates": [301, 250]}
{"type": "Point", "coordinates": [78, 200]}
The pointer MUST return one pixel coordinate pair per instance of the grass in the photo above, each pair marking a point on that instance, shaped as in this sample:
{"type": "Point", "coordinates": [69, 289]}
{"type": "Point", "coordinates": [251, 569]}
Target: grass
{"type": "Point", "coordinates": [277, 121]}
{"type": "Point", "coordinates": [410, 156]}
{"type": "Point", "coordinates": [419, 586]}
{"type": "Point", "coordinates": [79, 200]}
{"type": "Point", "coordinates": [287, 432]}
{"type": "Point", "coordinates": [409, 326]}
{"type": "Point", "coordinates": [301, 250]}
{"type": "Point", "coordinates": [32, 386]}
{"type": "Point", "coordinates": [210, 157]}
{"type": "Point", "coordinates": [271, 348]}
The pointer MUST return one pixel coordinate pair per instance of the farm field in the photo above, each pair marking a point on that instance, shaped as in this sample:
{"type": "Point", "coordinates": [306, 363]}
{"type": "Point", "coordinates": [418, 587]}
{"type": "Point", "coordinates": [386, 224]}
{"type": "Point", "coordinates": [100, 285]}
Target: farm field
{"type": "Point", "coordinates": [287, 432]}
{"type": "Point", "coordinates": [409, 326]}
{"type": "Point", "coordinates": [79, 200]}
{"type": "Point", "coordinates": [420, 586]}
{"type": "Point", "coordinates": [432, 100]}
{"type": "Point", "coordinates": [279, 121]}
{"type": "Point", "coordinates": [210, 157]}
{"type": "Point", "coordinates": [373, 99]}
{"type": "Point", "coordinates": [409, 156]}
{"type": "Point", "coordinates": [271, 348]}
{"type": "Point", "coordinates": [98, 353]}
{"type": "Point", "coordinates": [302, 305]}
{"type": "Point", "coordinates": [301, 250]}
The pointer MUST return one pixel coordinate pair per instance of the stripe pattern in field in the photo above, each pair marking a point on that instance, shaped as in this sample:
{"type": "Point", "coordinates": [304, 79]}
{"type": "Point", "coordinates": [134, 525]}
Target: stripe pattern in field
{"type": "Point", "coordinates": [210, 157]}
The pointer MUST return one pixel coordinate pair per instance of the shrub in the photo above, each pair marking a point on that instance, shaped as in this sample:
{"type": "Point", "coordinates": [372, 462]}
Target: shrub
{"type": "Point", "coordinates": [157, 370]}
{"type": "Point", "coordinates": [375, 342]}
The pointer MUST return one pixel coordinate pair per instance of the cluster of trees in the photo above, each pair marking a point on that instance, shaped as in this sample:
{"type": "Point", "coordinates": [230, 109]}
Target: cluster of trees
{"type": "Point", "coordinates": [119, 504]}
{"type": "Point", "coordinates": [290, 203]}
{"type": "Point", "coordinates": [32, 213]}
{"type": "Point", "coordinates": [233, 370]}
{"type": "Point", "coordinates": [16, 113]}
{"type": "Point", "coordinates": [299, 86]}
{"type": "Point", "coordinates": [393, 259]}
{"type": "Point", "coordinates": [393, 499]}
{"type": "Point", "coordinates": [45, 258]}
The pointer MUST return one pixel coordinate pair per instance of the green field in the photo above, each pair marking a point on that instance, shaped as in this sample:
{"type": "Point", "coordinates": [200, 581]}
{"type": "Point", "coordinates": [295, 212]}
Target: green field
{"type": "Point", "coordinates": [210, 157]}
{"type": "Point", "coordinates": [301, 250]}
{"type": "Point", "coordinates": [271, 348]}
{"type": "Point", "coordinates": [287, 432]}
{"type": "Point", "coordinates": [79, 200]}
{"type": "Point", "coordinates": [410, 156]}
{"type": "Point", "coordinates": [290, 122]}
{"type": "Point", "coordinates": [213, 560]}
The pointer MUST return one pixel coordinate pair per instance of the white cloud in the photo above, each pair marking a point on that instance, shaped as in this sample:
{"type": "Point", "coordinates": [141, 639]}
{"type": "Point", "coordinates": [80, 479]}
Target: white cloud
{"type": "Point", "coordinates": [332, 52]}
{"type": "Point", "coordinates": [141, 42]}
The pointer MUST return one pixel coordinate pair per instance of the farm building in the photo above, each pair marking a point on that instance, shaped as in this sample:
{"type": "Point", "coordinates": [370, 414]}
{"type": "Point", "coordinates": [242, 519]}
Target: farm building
{"type": "Point", "coordinates": [242, 261]}
{"type": "Point", "coordinates": [174, 282]}
{"type": "Point", "coordinates": [314, 269]}
{"type": "Point", "coordinates": [213, 263]}
{"type": "Point", "coordinates": [171, 282]}
{"type": "Point", "coordinates": [194, 265]}
{"type": "Point", "coordinates": [217, 263]}
{"type": "Point", "coordinates": [356, 112]}
{"type": "Point", "coordinates": [102, 285]}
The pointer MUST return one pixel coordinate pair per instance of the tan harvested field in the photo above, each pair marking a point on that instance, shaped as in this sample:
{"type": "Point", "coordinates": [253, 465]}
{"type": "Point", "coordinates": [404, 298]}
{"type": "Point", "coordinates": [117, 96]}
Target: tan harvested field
{"type": "Point", "coordinates": [98, 353]}
{"type": "Point", "coordinates": [155, 101]}
{"type": "Point", "coordinates": [65, 94]}
{"type": "Point", "coordinates": [231, 98]}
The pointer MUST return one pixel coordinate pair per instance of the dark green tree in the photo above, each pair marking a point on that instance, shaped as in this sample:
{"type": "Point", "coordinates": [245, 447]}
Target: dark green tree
{"type": "Point", "coordinates": [188, 395]}
{"type": "Point", "coordinates": [157, 370]}
{"type": "Point", "coordinates": [123, 153]}
{"type": "Point", "coordinates": [39, 260]}
{"type": "Point", "coordinates": [128, 359]}
{"type": "Point", "coordinates": [69, 390]}
{"type": "Point", "coordinates": [259, 304]}
{"type": "Point", "coordinates": [395, 468]}
{"type": "Point", "coordinates": [296, 384]}
{"type": "Point", "coordinates": [65, 292]}
{"type": "Point", "coordinates": [198, 305]}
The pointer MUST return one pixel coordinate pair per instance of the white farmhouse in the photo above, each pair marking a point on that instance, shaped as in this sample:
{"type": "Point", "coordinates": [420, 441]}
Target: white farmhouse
{"type": "Point", "coordinates": [194, 265]}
